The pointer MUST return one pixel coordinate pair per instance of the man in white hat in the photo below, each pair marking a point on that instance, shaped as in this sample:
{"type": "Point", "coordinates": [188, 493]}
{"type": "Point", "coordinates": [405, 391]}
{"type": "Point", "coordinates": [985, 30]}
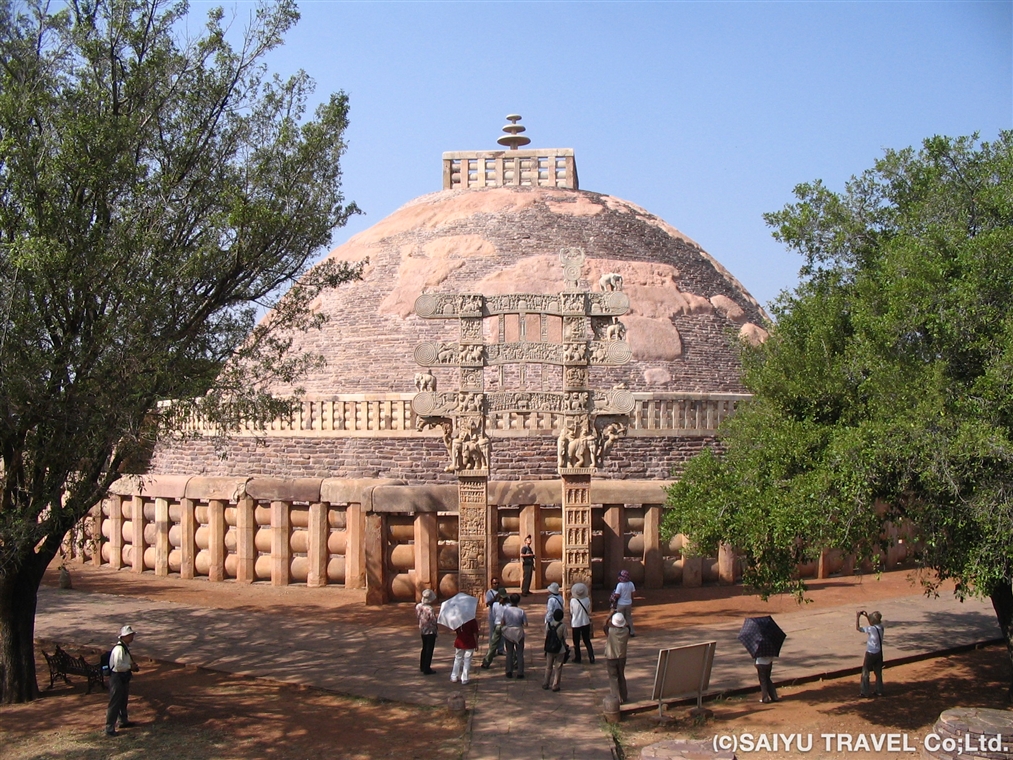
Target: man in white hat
{"type": "Point", "coordinates": [121, 668]}
{"type": "Point", "coordinates": [617, 636]}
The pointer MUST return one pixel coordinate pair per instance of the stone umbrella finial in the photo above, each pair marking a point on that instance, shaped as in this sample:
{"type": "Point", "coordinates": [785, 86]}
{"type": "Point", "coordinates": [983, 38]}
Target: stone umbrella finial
{"type": "Point", "coordinates": [513, 137]}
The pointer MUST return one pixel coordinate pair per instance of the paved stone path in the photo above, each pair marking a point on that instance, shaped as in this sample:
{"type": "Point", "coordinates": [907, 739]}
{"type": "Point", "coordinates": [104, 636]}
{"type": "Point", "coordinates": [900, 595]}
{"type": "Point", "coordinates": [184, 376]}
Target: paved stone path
{"type": "Point", "coordinates": [511, 718]}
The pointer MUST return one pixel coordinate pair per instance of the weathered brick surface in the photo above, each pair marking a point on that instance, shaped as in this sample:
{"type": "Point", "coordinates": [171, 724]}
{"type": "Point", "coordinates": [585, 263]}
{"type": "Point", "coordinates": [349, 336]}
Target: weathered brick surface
{"type": "Point", "coordinates": [416, 460]}
{"type": "Point", "coordinates": [496, 241]}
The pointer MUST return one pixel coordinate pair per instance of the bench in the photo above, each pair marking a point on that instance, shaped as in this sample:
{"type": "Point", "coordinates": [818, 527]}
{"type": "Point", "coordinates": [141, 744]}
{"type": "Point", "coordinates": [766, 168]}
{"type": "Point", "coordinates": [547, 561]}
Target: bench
{"type": "Point", "coordinates": [62, 664]}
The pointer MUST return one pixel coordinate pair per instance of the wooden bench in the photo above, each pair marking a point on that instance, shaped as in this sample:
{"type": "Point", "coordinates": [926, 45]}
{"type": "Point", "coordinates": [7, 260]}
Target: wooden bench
{"type": "Point", "coordinates": [62, 664]}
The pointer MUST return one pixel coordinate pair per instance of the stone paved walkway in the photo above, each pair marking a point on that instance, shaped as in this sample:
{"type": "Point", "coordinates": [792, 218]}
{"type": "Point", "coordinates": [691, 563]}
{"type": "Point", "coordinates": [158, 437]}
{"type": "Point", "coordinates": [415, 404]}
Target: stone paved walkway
{"type": "Point", "coordinates": [511, 718]}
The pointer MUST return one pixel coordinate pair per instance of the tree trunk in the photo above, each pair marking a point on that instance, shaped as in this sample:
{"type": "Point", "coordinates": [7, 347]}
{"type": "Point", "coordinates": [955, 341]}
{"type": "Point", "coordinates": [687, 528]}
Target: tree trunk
{"type": "Point", "coordinates": [19, 592]}
{"type": "Point", "coordinates": [1002, 602]}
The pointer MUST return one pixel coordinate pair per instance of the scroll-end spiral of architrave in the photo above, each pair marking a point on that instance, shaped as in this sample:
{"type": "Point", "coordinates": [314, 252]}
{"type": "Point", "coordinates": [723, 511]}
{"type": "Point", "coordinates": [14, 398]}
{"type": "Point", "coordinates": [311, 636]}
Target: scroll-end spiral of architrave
{"type": "Point", "coordinates": [426, 305]}
{"type": "Point", "coordinates": [425, 354]}
{"type": "Point", "coordinates": [424, 403]}
{"type": "Point", "coordinates": [617, 302]}
{"type": "Point", "coordinates": [619, 352]}
{"type": "Point", "coordinates": [621, 402]}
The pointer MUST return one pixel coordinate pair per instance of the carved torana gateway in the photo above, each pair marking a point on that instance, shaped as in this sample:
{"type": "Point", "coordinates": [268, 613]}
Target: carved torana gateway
{"type": "Point", "coordinates": [591, 420]}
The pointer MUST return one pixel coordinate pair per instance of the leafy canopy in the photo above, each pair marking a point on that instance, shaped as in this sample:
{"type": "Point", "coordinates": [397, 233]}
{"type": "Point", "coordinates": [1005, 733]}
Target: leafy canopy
{"type": "Point", "coordinates": [885, 390]}
{"type": "Point", "coordinates": [155, 190]}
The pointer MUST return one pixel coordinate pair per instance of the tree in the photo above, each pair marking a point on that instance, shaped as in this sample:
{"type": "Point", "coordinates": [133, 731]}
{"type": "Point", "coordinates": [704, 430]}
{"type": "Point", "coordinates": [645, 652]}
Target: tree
{"type": "Point", "coordinates": [885, 391]}
{"type": "Point", "coordinates": [155, 191]}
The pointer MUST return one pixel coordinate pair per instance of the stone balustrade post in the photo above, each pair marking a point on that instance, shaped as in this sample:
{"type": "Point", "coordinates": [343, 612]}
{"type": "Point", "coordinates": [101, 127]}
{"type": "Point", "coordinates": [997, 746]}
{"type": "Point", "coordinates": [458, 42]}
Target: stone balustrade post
{"type": "Point", "coordinates": [426, 549]}
{"type": "Point", "coordinates": [316, 550]}
{"type": "Point", "coordinates": [281, 544]}
{"type": "Point", "coordinates": [216, 539]}
{"type": "Point", "coordinates": [137, 525]}
{"type": "Point", "coordinates": [531, 525]}
{"type": "Point", "coordinates": [654, 568]}
{"type": "Point", "coordinates": [115, 531]}
{"type": "Point", "coordinates": [614, 549]}
{"type": "Point", "coordinates": [246, 531]}
{"type": "Point", "coordinates": [726, 564]}
{"type": "Point", "coordinates": [161, 536]}
{"type": "Point", "coordinates": [375, 562]}
{"type": "Point", "coordinates": [355, 548]}
{"type": "Point", "coordinates": [96, 534]}
{"type": "Point", "coordinates": [187, 545]}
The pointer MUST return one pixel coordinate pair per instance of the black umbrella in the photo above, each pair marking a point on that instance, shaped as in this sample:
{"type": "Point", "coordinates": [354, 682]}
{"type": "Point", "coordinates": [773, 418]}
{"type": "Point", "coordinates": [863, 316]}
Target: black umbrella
{"type": "Point", "coordinates": [762, 637]}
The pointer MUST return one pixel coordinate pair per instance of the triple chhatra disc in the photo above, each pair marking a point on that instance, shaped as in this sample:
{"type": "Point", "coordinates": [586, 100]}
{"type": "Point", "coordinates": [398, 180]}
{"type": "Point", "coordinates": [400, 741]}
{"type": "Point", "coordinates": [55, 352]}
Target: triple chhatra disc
{"type": "Point", "coordinates": [513, 138]}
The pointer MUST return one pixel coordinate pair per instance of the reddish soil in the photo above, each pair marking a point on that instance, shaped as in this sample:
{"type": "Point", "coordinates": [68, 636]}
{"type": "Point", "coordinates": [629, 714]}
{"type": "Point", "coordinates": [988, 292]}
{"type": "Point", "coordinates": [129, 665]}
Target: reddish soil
{"type": "Point", "coordinates": [187, 712]}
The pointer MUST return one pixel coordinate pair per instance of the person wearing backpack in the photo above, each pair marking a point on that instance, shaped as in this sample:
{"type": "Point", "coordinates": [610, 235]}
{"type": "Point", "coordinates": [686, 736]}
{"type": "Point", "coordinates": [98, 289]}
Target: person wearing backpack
{"type": "Point", "coordinates": [873, 650]}
{"type": "Point", "coordinates": [121, 668]}
{"type": "Point", "coordinates": [557, 651]}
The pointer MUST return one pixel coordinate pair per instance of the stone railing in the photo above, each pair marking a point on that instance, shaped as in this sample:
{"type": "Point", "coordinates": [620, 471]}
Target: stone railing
{"type": "Point", "coordinates": [375, 415]}
{"type": "Point", "coordinates": [392, 539]}
{"type": "Point", "coordinates": [551, 167]}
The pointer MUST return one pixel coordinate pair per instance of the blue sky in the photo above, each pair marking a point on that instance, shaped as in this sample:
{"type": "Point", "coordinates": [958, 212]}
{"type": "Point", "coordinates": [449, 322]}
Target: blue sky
{"type": "Point", "coordinates": [704, 113]}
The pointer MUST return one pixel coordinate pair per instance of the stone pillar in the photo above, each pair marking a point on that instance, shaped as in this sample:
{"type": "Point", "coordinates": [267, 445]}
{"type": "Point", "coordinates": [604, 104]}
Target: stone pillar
{"type": "Point", "coordinates": [473, 534]}
{"type": "Point", "coordinates": [823, 565]}
{"type": "Point", "coordinates": [375, 561]}
{"type": "Point", "coordinates": [316, 550]}
{"type": "Point", "coordinates": [216, 540]}
{"type": "Point", "coordinates": [281, 544]}
{"type": "Point", "coordinates": [115, 532]}
{"type": "Point", "coordinates": [726, 565]}
{"type": "Point", "coordinates": [426, 550]}
{"type": "Point", "coordinates": [161, 536]}
{"type": "Point", "coordinates": [355, 558]}
{"type": "Point", "coordinates": [576, 530]}
{"type": "Point", "coordinates": [654, 568]}
{"type": "Point", "coordinates": [187, 546]}
{"type": "Point", "coordinates": [137, 529]}
{"type": "Point", "coordinates": [692, 571]}
{"type": "Point", "coordinates": [96, 534]}
{"type": "Point", "coordinates": [246, 533]}
{"type": "Point", "coordinates": [614, 550]}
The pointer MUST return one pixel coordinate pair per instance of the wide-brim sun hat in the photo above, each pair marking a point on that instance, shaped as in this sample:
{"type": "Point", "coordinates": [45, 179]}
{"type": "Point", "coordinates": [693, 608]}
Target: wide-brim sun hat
{"type": "Point", "coordinates": [579, 590]}
{"type": "Point", "coordinates": [619, 620]}
{"type": "Point", "coordinates": [126, 631]}
{"type": "Point", "coordinates": [553, 588]}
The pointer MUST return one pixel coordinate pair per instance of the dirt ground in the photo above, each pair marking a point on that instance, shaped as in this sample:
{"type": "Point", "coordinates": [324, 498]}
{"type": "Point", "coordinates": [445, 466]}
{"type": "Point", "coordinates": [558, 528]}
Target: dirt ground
{"type": "Point", "coordinates": [195, 713]}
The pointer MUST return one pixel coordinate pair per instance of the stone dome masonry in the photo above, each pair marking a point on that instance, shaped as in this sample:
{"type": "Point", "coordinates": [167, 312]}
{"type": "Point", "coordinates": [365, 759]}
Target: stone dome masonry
{"type": "Point", "coordinates": [497, 228]}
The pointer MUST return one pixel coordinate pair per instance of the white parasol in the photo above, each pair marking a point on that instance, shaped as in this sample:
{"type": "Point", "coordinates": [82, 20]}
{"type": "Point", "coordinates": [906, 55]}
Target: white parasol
{"type": "Point", "coordinates": [458, 610]}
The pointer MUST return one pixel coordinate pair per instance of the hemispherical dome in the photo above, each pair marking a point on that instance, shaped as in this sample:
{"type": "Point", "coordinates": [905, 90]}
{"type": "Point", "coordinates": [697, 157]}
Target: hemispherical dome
{"type": "Point", "coordinates": [686, 309]}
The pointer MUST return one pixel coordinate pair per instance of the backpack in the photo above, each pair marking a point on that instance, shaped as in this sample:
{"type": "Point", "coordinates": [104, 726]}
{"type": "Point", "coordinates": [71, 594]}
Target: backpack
{"type": "Point", "coordinates": [552, 641]}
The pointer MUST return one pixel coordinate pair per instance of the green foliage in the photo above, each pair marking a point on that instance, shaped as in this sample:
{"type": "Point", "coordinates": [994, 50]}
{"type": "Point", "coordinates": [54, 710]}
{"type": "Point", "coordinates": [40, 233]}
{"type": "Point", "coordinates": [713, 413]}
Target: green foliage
{"type": "Point", "coordinates": [155, 191]}
{"type": "Point", "coordinates": [885, 389]}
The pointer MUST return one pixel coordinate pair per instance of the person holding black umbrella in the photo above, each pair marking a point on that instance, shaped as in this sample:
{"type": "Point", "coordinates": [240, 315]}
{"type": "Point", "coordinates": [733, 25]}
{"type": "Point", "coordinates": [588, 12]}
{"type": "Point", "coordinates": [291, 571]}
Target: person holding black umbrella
{"type": "Point", "coordinates": [764, 666]}
{"type": "Point", "coordinates": [762, 638]}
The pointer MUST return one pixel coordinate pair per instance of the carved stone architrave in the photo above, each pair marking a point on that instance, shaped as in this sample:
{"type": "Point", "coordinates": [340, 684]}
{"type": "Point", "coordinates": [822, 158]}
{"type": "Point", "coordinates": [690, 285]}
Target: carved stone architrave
{"type": "Point", "coordinates": [576, 529]}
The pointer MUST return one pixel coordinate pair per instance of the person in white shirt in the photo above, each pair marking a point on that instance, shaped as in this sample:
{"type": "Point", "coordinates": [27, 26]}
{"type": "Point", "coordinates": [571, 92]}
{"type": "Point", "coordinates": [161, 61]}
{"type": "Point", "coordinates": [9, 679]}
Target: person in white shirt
{"type": "Point", "coordinates": [623, 596]}
{"type": "Point", "coordinates": [580, 621]}
{"type": "Point", "coordinates": [873, 650]}
{"type": "Point", "coordinates": [121, 668]}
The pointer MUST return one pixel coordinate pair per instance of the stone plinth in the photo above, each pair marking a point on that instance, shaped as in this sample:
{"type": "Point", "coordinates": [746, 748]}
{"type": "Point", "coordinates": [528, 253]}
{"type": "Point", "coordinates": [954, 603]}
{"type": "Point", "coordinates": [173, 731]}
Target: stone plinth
{"type": "Point", "coordinates": [971, 733]}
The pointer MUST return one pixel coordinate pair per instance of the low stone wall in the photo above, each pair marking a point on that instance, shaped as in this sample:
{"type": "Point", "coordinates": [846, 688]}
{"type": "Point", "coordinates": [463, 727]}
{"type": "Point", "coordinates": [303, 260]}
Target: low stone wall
{"type": "Point", "coordinates": [391, 538]}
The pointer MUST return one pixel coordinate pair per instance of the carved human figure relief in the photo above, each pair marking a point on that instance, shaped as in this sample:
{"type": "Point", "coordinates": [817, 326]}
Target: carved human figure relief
{"type": "Point", "coordinates": [611, 281]}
